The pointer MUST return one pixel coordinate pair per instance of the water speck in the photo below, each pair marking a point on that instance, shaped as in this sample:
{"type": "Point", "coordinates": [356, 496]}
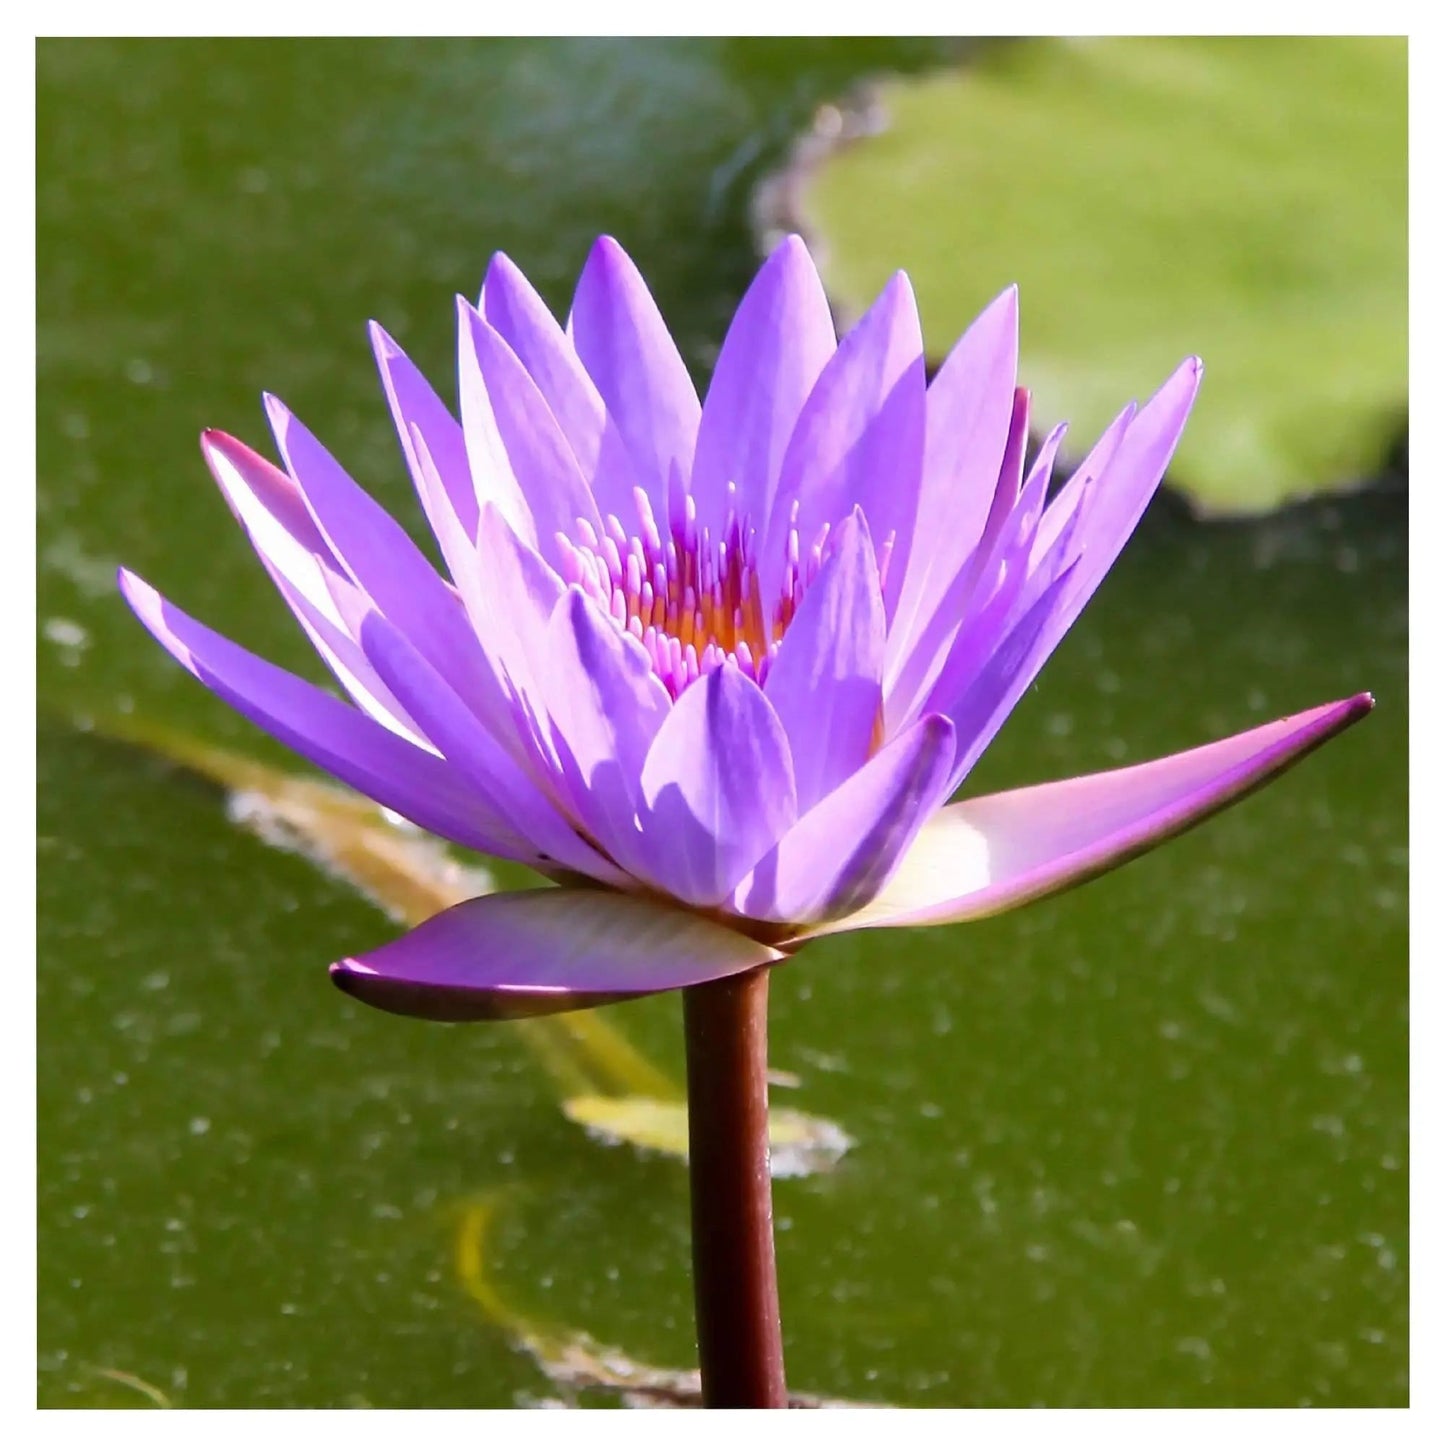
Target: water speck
{"type": "Point", "coordinates": [200, 1125]}
{"type": "Point", "coordinates": [67, 634]}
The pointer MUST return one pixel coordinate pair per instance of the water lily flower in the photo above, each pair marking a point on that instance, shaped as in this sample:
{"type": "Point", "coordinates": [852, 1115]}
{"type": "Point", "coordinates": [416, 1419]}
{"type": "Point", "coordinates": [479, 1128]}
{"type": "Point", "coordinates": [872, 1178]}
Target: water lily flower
{"type": "Point", "coordinates": [714, 668]}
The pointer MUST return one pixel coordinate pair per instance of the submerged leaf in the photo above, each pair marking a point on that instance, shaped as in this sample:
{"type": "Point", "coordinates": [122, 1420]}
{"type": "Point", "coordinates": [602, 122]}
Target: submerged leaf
{"type": "Point", "coordinates": [800, 1144]}
{"type": "Point", "coordinates": [571, 1360]}
{"type": "Point", "coordinates": [1241, 198]}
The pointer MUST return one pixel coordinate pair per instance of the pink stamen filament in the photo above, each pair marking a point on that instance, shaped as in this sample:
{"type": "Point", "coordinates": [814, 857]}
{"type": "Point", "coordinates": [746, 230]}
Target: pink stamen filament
{"type": "Point", "coordinates": [692, 600]}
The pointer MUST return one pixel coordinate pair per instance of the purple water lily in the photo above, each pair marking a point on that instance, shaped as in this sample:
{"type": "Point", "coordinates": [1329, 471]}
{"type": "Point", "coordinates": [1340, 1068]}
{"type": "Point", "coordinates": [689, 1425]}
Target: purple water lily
{"type": "Point", "coordinates": [716, 668]}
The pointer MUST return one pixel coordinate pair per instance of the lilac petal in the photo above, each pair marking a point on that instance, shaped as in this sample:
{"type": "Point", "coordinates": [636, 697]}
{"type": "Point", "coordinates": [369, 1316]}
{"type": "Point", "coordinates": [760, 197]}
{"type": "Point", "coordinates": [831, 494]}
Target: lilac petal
{"type": "Point", "coordinates": [991, 854]}
{"type": "Point", "coordinates": [378, 555]}
{"type": "Point", "coordinates": [778, 343]}
{"type": "Point", "coordinates": [519, 456]}
{"type": "Point", "coordinates": [478, 757]}
{"type": "Point", "coordinates": [859, 440]}
{"type": "Point", "coordinates": [1096, 528]}
{"type": "Point", "coordinates": [838, 855]}
{"type": "Point", "coordinates": [1115, 502]}
{"type": "Point", "coordinates": [1075, 498]}
{"type": "Point", "coordinates": [269, 506]}
{"type": "Point", "coordinates": [971, 617]}
{"type": "Point", "coordinates": [489, 690]}
{"type": "Point", "coordinates": [825, 681]}
{"type": "Point", "coordinates": [1003, 671]}
{"type": "Point", "coordinates": [718, 786]}
{"type": "Point", "coordinates": [417, 410]}
{"type": "Point", "coordinates": [1003, 589]}
{"type": "Point", "coordinates": [418, 785]}
{"type": "Point", "coordinates": [517, 596]}
{"type": "Point", "coordinates": [625, 345]}
{"type": "Point", "coordinates": [547, 950]}
{"type": "Point", "coordinates": [606, 705]}
{"type": "Point", "coordinates": [523, 321]}
{"type": "Point", "coordinates": [975, 431]}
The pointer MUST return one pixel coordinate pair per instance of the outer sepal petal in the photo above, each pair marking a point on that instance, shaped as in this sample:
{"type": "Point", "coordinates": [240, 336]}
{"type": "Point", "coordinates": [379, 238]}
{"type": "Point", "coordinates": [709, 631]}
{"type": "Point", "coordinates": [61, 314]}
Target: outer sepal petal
{"type": "Point", "coordinates": [987, 855]}
{"type": "Point", "coordinates": [547, 950]}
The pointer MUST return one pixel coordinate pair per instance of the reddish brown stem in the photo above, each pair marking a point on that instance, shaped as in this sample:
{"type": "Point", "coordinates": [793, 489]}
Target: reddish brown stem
{"type": "Point", "coordinates": [735, 1278]}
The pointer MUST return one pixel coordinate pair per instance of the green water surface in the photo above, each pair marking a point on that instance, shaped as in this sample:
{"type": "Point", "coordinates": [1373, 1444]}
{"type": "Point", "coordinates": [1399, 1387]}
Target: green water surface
{"type": "Point", "coordinates": [1142, 1144]}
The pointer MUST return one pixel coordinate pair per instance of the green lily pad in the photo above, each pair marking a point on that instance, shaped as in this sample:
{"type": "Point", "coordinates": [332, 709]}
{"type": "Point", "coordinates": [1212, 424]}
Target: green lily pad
{"type": "Point", "coordinates": [1244, 199]}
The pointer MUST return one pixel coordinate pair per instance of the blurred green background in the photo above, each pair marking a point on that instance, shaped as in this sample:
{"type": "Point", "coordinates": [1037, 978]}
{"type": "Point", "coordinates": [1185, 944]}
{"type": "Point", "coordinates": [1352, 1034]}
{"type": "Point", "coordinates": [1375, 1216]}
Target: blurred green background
{"type": "Point", "coordinates": [1143, 1144]}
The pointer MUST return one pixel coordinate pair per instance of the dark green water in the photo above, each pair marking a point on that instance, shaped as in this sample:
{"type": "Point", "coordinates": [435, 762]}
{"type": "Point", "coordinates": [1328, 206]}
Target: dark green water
{"type": "Point", "coordinates": [1142, 1144]}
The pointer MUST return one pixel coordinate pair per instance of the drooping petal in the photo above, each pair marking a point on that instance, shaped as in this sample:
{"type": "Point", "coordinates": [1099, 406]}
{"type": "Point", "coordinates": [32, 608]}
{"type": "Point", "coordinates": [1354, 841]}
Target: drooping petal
{"type": "Point", "coordinates": [478, 756]}
{"type": "Point", "coordinates": [825, 682]}
{"type": "Point", "coordinates": [416, 408]}
{"type": "Point", "coordinates": [606, 705]}
{"type": "Point", "coordinates": [415, 784]}
{"type": "Point", "coordinates": [622, 340]}
{"type": "Point", "coordinates": [838, 855]}
{"type": "Point", "coordinates": [859, 440]}
{"type": "Point", "coordinates": [990, 854]}
{"type": "Point", "coordinates": [778, 343]}
{"type": "Point", "coordinates": [522, 319]}
{"type": "Point", "coordinates": [975, 430]}
{"type": "Point", "coordinates": [375, 551]}
{"type": "Point", "coordinates": [718, 786]}
{"type": "Point", "coordinates": [520, 458]}
{"type": "Point", "coordinates": [516, 955]}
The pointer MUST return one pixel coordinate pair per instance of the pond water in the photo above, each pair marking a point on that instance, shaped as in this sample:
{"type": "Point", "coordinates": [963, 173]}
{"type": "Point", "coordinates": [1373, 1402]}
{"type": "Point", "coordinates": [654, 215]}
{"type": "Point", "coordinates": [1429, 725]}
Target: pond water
{"type": "Point", "coordinates": [1145, 1143]}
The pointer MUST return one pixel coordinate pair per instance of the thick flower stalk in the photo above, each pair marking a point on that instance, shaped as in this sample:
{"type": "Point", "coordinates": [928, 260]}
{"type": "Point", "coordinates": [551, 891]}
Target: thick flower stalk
{"type": "Point", "coordinates": [715, 669]}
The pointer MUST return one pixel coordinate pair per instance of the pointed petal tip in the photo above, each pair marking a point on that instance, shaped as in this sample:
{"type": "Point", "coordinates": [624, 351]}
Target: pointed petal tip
{"type": "Point", "coordinates": [278, 413]}
{"type": "Point", "coordinates": [436, 1003]}
{"type": "Point", "coordinates": [501, 264]}
{"type": "Point", "coordinates": [142, 599]}
{"type": "Point", "coordinates": [382, 344]}
{"type": "Point", "coordinates": [215, 440]}
{"type": "Point", "coordinates": [1006, 302]}
{"type": "Point", "coordinates": [793, 245]}
{"type": "Point", "coordinates": [899, 288]}
{"type": "Point", "coordinates": [607, 251]}
{"type": "Point", "coordinates": [987, 855]}
{"type": "Point", "coordinates": [1352, 709]}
